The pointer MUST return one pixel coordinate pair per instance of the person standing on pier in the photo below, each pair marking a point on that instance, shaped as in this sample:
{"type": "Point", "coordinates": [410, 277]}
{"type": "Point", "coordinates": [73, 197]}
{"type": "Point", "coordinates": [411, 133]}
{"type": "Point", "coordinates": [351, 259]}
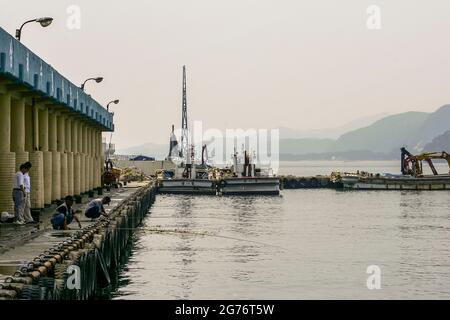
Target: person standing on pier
{"type": "Point", "coordinates": [95, 208]}
{"type": "Point", "coordinates": [64, 215]}
{"type": "Point", "coordinates": [18, 194]}
{"type": "Point", "coordinates": [27, 205]}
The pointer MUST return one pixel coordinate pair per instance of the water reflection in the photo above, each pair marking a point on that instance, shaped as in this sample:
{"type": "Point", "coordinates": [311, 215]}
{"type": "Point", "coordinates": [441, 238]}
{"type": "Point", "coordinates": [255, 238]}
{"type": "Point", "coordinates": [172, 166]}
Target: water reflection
{"type": "Point", "coordinates": [184, 253]}
{"type": "Point", "coordinates": [328, 239]}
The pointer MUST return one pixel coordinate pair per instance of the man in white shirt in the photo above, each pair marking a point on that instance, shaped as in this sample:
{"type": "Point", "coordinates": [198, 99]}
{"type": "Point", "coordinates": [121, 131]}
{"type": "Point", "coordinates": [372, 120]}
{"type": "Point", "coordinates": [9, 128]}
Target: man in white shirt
{"type": "Point", "coordinates": [27, 206]}
{"type": "Point", "coordinates": [19, 194]}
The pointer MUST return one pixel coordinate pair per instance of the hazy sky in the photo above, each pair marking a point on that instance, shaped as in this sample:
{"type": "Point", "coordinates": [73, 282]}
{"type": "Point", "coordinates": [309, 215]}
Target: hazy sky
{"type": "Point", "coordinates": [251, 63]}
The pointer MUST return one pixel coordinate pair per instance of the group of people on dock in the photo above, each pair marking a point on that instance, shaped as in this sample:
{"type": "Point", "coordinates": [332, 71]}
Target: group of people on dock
{"type": "Point", "coordinates": [64, 215]}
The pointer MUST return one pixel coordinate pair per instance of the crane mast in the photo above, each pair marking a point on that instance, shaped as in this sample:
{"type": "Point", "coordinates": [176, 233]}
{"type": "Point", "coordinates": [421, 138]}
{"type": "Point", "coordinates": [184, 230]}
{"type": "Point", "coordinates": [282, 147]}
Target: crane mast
{"type": "Point", "coordinates": [184, 121]}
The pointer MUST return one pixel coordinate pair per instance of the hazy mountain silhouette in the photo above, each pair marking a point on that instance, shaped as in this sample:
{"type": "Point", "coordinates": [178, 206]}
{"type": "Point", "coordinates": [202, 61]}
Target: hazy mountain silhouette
{"type": "Point", "coordinates": [378, 139]}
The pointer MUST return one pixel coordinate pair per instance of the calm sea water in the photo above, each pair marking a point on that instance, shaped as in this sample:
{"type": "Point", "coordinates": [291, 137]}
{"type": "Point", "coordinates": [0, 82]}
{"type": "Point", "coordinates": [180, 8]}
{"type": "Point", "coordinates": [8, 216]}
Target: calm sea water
{"type": "Point", "coordinates": [303, 244]}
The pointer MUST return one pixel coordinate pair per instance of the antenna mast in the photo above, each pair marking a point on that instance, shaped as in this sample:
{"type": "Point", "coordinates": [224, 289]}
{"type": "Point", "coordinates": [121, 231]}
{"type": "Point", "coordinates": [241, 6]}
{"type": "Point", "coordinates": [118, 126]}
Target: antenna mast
{"type": "Point", "coordinates": [184, 122]}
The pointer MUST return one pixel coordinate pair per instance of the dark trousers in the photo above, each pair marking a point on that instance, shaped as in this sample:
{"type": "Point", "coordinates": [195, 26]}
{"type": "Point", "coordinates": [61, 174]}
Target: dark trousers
{"type": "Point", "coordinates": [93, 213]}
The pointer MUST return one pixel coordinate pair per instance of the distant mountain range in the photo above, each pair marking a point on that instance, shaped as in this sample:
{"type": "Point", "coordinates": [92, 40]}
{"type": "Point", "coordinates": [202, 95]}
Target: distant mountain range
{"type": "Point", "coordinates": [378, 137]}
{"type": "Point", "coordinates": [330, 133]}
{"type": "Point", "coordinates": [380, 140]}
{"type": "Point", "coordinates": [440, 143]}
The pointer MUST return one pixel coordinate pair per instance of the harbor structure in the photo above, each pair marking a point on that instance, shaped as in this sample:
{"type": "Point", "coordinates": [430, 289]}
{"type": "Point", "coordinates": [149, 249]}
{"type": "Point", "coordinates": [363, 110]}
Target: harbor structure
{"type": "Point", "coordinates": [49, 121]}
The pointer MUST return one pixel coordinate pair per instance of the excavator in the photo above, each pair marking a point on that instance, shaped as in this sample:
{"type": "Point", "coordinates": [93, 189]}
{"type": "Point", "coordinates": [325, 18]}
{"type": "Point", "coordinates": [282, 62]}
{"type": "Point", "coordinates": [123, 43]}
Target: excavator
{"type": "Point", "coordinates": [412, 164]}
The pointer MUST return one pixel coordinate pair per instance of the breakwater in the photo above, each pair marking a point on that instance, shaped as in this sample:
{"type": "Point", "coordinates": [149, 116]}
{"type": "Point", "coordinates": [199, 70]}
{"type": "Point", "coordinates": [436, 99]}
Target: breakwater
{"type": "Point", "coordinates": [81, 266]}
{"type": "Point", "coordinates": [315, 182]}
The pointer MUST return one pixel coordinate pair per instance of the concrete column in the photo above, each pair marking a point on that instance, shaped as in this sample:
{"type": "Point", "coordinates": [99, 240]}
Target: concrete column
{"type": "Point", "coordinates": [35, 112]}
{"type": "Point", "coordinates": [74, 135]}
{"type": "Point", "coordinates": [83, 166]}
{"type": "Point", "coordinates": [89, 159]}
{"type": "Point", "coordinates": [69, 156]}
{"type": "Point", "coordinates": [102, 154]}
{"type": "Point", "coordinates": [37, 195]}
{"type": "Point", "coordinates": [92, 159]}
{"type": "Point", "coordinates": [37, 160]}
{"type": "Point", "coordinates": [95, 159]}
{"type": "Point", "coordinates": [63, 154]}
{"type": "Point", "coordinates": [56, 158]}
{"type": "Point", "coordinates": [98, 159]}
{"type": "Point", "coordinates": [76, 156]}
{"type": "Point", "coordinates": [29, 128]}
{"type": "Point", "coordinates": [61, 137]}
{"type": "Point", "coordinates": [48, 155]}
{"type": "Point", "coordinates": [7, 158]}
{"type": "Point", "coordinates": [18, 131]}
{"type": "Point", "coordinates": [80, 136]}
{"type": "Point", "coordinates": [18, 125]}
{"type": "Point", "coordinates": [43, 128]}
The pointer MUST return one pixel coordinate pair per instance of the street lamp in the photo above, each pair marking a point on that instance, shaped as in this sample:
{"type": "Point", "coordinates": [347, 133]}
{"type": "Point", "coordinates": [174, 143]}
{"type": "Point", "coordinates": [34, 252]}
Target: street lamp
{"type": "Point", "coordinates": [98, 80]}
{"type": "Point", "coordinates": [114, 101]}
{"type": "Point", "coordinates": [44, 22]}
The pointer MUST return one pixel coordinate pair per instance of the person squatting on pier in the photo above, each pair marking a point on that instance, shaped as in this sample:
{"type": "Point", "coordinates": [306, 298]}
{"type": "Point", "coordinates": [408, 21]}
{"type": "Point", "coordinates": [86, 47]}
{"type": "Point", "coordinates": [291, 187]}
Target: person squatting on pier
{"type": "Point", "coordinates": [18, 194]}
{"type": "Point", "coordinates": [95, 208]}
{"type": "Point", "coordinates": [64, 215]}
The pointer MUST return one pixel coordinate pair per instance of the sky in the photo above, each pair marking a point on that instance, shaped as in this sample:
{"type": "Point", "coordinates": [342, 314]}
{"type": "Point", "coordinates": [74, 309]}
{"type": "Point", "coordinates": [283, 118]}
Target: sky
{"type": "Point", "coordinates": [250, 63]}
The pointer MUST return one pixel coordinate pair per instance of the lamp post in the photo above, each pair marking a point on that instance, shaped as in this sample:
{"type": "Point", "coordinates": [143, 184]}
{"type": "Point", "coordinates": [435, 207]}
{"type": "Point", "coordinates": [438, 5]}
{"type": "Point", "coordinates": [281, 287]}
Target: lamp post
{"type": "Point", "coordinates": [98, 80]}
{"type": "Point", "coordinates": [114, 101]}
{"type": "Point", "coordinates": [44, 22]}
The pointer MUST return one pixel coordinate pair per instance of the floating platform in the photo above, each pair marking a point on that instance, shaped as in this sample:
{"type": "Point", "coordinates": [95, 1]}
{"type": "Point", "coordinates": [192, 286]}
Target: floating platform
{"type": "Point", "coordinates": [315, 182]}
{"type": "Point", "coordinates": [395, 182]}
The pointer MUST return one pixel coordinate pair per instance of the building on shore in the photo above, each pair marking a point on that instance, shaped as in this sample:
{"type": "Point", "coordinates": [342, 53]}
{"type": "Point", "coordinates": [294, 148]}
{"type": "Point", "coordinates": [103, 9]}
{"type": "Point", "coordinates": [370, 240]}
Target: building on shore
{"type": "Point", "coordinates": [49, 121]}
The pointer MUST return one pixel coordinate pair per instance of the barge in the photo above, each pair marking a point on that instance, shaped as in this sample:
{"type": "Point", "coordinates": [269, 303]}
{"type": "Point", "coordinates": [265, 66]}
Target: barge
{"type": "Point", "coordinates": [412, 177]}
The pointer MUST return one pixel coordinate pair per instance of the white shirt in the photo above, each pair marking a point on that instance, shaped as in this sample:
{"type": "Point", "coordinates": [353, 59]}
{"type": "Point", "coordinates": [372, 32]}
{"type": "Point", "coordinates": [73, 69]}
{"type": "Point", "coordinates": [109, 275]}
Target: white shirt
{"type": "Point", "coordinates": [18, 180]}
{"type": "Point", "coordinates": [26, 182]}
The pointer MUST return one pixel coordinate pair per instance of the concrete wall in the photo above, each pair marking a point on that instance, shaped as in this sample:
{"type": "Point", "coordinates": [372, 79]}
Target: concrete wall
{"type": "Point", "coordinates": [148, 167]}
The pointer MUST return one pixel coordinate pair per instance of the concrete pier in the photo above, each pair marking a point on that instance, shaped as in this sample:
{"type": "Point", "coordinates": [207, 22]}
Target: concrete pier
{"type": "Point", "coordinates": [39, 266]}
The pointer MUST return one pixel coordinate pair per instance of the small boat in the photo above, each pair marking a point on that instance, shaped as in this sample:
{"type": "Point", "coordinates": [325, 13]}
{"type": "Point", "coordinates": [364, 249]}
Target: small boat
{"type": "Point", "coordinates": [245, 179]}
{"type": "Point", "coordinates": [187, 177]}
{"type": "Point", "coordinates": [412, 177]}
{"type": "Point", "coordinates": [186, 186]}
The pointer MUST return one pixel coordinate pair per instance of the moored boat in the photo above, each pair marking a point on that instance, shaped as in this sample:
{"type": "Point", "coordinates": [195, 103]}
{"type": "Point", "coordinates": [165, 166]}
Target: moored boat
{"type": "Point", "coordinates": [245, 179]}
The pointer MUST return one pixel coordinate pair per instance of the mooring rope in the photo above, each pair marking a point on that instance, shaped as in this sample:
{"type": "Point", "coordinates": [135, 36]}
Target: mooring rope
{"type": "Point", "coordinates": [205, 233]}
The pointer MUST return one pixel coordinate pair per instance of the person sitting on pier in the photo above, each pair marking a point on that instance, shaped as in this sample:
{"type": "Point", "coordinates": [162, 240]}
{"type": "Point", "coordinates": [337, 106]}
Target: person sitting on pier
{"type": "Point", "coordinates": [95, 208]}
{"type": "Point", "coordinates": [64, 215]}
